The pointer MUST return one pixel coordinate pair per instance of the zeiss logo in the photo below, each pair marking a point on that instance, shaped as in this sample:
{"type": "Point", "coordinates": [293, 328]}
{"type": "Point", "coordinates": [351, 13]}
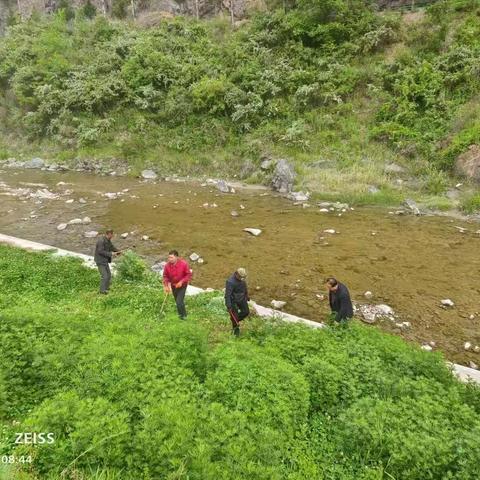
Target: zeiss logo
{"type": "Point", "coordinates": [34, 438]}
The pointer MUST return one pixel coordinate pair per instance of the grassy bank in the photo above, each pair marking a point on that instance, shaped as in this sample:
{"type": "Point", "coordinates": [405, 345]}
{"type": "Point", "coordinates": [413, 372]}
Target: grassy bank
{"type": "Point", "coordinates": [336, 87]}
{"type": "Point", "coordinates": [128, 396]}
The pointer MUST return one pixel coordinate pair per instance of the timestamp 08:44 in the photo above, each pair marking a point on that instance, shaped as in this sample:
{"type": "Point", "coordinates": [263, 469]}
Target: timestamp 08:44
{"type": "Point", "coordinates": [8, 459]}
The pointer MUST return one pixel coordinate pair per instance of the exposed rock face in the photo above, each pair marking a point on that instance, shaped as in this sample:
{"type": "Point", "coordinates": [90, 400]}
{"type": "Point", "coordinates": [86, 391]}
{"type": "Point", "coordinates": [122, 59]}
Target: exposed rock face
{"type": "Point", "coordinates": [468, 163]}
{"type": "Point", "coordinates": [283, 177]}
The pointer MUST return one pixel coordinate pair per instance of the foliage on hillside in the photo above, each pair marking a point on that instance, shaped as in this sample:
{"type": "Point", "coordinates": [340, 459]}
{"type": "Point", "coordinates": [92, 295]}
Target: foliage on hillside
{"type": "Point", "coordinates": [325, 81]}
{"type": "Point", "coordinates": [128, 396]}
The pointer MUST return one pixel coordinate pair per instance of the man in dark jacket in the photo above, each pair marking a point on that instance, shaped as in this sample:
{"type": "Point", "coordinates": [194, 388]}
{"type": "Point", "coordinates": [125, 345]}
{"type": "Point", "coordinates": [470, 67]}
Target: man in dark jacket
{"type": "Point", "coordinates": [104, 251]}
{"type": "Point", "coordinates": [236, 298]}
{"type": "Point", "coordinates": [339, 298]}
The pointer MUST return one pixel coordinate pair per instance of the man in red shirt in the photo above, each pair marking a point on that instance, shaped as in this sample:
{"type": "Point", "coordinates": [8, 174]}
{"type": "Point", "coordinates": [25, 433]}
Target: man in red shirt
{"type": "Point", "coordinates": [176, 276]}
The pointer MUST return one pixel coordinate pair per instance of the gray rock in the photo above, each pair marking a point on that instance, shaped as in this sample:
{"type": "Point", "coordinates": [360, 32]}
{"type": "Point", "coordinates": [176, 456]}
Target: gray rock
{"type": "Point", "coordinates": [158, 267]}
{"type": "Point", "coordinates": [222, 186]}
{"type": "Point", "coordinates": [124, 235]}
{"type": "Point", "coordinates": [149, 175]}
{"type": "Point", "coordinates": [267, 165]}
{"type": "Point", "coordinates": [90, 234]}
{"type": "Point", "coordinates": [75, 221]}
{"type": "Point", "coordinates": [283, 177]}
{"type": "Point", "coordinates": [278, 304]}
{"type": "Point", "coordinates": [86, 220]}
{"type": "Point", "coordinates": [194, 257]}
{"type": "Point", "coordinates": [61, 226]}
{"type": "Point", "coordinates": [447, 303]}
{"type": "Point", "coordinates": [370, 313]}
{"type": "Point", "coordinates": [82, 200]}
{"type": "Point", "coordinates": [467, 346]}
{"type": "Point", "coordinates": [234, 213]}
{"type": "Point", "coordinates": [411, 204]}
{"type": "Point", "coordinates": [35, 163]}
{"type": "Point", "coordinates": [298, 196]}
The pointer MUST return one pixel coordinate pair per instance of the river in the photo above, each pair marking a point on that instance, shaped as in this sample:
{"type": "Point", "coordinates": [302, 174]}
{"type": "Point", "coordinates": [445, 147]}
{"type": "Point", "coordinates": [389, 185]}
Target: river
{"type": "Point", "coordinates": [410, 263]}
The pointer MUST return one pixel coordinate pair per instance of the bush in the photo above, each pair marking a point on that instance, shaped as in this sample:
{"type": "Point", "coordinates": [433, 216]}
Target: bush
{"type": "Point", "coordinates": [471, 203]}
{"type": "Point", "coordinates": [131, 267]}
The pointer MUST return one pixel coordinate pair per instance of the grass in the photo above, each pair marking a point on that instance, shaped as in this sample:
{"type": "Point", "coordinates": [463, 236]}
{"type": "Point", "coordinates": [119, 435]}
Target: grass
{"type": "Point", "coordinates": [129, 396]}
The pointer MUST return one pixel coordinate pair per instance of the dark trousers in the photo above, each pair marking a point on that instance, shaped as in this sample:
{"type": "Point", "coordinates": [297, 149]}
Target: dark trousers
{"type": "Point", "coordinates": [105, 277]}
{"type": "Point", "coordinates": [238, 312]}
{"type": "Point", "coordinates": [179, 296]}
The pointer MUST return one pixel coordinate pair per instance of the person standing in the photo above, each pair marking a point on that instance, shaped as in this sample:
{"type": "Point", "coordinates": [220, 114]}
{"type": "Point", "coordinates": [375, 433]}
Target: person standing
{"type": "Point", "coordinates": [339, 297]}
{"type": "Point", "coordinates": [104, 251]}
{"type": "Point", "coordinates": [176, 275]}
{"type": "Point", "coordinates": [236, 298]}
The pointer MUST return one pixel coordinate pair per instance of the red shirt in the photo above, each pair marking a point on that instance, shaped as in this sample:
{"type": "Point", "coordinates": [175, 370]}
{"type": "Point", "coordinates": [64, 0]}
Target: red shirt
{"type": "Point", "coordinates": [177, 272]}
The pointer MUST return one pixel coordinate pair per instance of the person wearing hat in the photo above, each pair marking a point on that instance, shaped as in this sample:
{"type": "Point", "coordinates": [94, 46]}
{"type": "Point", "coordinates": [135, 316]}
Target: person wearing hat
{"type": "Point", "coordinates": [236, 298]}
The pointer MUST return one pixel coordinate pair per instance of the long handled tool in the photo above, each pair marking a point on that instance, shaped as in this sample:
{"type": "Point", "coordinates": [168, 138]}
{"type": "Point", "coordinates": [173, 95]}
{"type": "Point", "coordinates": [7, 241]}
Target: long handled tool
{"type": "Point", "coordinates": [162, 308]}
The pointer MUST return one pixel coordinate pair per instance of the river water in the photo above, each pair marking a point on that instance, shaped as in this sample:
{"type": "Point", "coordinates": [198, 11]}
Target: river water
{"type": "Point", "coordinates": [410, 263]}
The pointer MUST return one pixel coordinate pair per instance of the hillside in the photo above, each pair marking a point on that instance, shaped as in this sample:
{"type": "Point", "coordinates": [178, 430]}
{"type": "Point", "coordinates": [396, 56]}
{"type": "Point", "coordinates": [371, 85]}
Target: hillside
{"type": "Point", "coordinates": [374, 105]}
{"type": "Point", "coordinates": [128, 395]}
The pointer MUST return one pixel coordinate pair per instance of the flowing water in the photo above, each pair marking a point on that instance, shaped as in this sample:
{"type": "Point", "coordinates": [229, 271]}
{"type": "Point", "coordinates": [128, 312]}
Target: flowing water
{"type": "Point", "coordinates": [410, 263]}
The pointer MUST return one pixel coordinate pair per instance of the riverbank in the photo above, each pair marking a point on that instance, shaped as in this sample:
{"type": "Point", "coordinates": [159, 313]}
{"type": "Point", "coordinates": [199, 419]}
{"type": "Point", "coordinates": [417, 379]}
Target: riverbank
{"type": "Point", "coordinates": [392, 194]}
{"type": "Point", "coordinates": [168, 393]}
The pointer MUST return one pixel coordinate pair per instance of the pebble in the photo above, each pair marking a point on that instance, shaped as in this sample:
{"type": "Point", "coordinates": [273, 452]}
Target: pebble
{"type": "Point", "coordinates": [467, 346]}
{"type": "Point", "coordinates": [427, 348]}
{"type": "Point", "coordinates": [69, 201]}
{"type": "Point", "coordinates": [194, 257]}
{"type": "Point", "coordinates": [82, 200]}
{"type": "Point", "coordinates": [324, 210]}
{"type": "Point", "coordinates": [61, 227]}
{"type": "Point", "coordinates": [200, 261]}
{"type": "Point", "coordinates": [476, 349]}
{"type": "Point", "coordinates": [145, 237]}
{"type": "Point", "coordinates": [90, 234]}
{"type": "Point", "coordinates": [330, 230]}
{"type": "Point", "coordinates": [86, 220]}
{"type": "Point", "coordinates": [124, 235]}
{"type": "Point", "coordinates": [234, 213]}
{"type": "Point", "coordinates": [447, 303]}
{"type": "Point", "coordinates": [473, 365]}
{"type": "Point", "coordinates": [75, 221]}
{"type": "Point", "coordinates": [368, 294]}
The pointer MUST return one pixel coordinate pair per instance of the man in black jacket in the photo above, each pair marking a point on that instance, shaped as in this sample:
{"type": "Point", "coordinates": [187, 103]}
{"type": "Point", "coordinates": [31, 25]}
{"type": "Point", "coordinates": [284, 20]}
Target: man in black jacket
{"type": "Point", "coordinates": [236, 298]}
{"type": "Point", "coordinates": [339, 298]}
{"type": "Point", "coordinates": [104, 250]}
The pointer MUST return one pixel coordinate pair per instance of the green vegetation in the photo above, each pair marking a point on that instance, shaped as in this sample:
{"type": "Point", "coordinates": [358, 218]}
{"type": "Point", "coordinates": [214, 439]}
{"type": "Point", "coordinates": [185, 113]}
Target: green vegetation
{"type": "Point", "coordinates": [333, 85]}
{"type": "Point", "coordinates": [128, 396]}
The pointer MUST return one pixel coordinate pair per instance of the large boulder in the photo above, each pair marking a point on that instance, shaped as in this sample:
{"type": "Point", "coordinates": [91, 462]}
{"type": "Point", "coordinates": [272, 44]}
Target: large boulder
{"type": "Point", "coordinates": [468, 163]}
{"type": "Point", "coordinates": [149, 175]}
{"type": "Point", "coordinates": [283, 177]}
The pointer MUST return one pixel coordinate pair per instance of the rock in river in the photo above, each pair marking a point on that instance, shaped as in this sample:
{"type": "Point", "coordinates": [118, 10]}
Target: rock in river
{"type": "Point", "coordinates": [278, 304]}
{"type": "Point", "coordinates": [253, 231]}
